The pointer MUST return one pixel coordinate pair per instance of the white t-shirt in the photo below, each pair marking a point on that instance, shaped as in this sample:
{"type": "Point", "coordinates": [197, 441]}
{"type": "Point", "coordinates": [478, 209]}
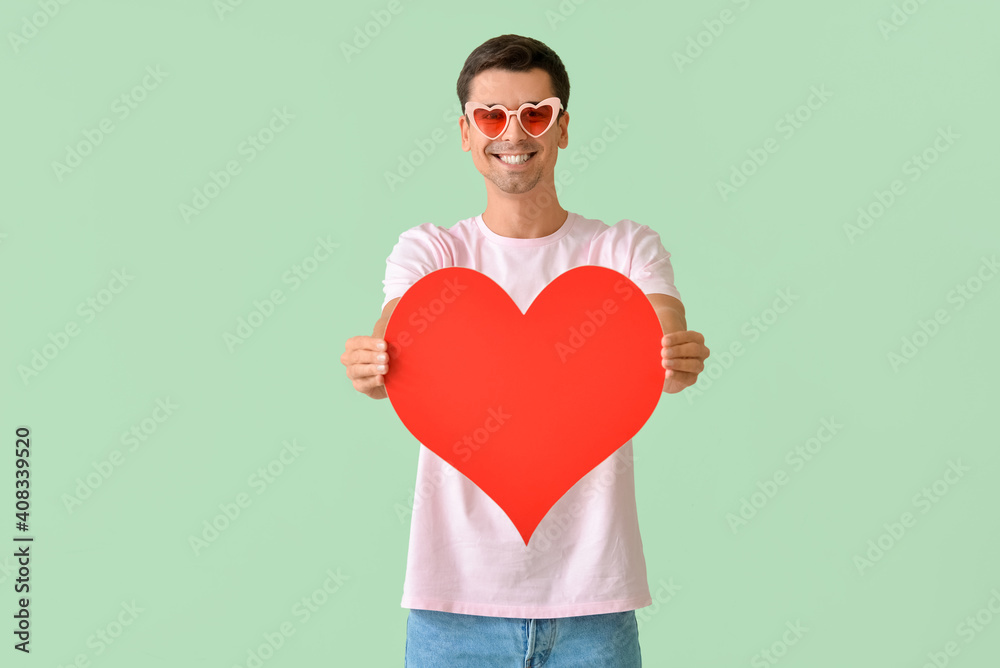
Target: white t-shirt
{"type": "Point", "coordinates": [585, 557]}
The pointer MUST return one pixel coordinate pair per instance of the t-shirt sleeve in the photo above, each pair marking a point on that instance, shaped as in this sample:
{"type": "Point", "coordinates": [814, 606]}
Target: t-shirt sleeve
{"type": "Point", "coordinates": [650, 267]}
{"type": "Point", "coordinates": [419, 251]}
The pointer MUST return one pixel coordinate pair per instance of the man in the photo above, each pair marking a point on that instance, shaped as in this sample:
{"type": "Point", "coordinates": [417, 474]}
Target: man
{"type": "Point", "coordinates": [477, 595]}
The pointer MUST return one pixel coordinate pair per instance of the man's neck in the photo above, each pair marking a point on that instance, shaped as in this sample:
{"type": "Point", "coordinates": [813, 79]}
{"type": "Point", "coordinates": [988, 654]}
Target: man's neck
{"type": "Point", "coordinates": [523, 218]}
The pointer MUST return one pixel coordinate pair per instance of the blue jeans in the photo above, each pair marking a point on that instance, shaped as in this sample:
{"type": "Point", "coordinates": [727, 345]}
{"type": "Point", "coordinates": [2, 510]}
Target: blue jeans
{"type": "Point", "coordinates": [451, 640]}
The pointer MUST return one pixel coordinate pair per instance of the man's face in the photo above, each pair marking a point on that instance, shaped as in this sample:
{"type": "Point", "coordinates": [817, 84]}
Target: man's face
{"type": "Point", "coordinates": [512, 89]}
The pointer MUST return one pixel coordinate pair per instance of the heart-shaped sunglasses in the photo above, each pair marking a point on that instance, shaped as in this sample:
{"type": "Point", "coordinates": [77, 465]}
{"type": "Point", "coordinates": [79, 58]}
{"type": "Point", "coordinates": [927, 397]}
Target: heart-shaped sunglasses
{"type": "Point", "coordinates": [535, 119]}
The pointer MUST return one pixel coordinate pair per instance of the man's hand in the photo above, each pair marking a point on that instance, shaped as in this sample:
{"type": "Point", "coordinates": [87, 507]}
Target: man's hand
{"type": "Point", "coordinates": [684, 354]}
{"type": "Point", "coordinates": [367, 362]}
{"type": "Point", "coordinates": [367, 357]}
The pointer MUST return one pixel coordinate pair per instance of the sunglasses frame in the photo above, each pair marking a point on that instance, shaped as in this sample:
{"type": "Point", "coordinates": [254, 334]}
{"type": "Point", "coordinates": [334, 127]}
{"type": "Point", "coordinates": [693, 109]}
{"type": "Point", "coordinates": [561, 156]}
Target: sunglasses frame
{"type": "Point", "coordinates": [471, 107]}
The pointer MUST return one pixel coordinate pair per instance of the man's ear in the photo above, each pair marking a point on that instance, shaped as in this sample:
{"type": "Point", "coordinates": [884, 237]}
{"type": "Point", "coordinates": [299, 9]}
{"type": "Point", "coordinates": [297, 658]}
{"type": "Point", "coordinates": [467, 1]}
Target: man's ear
{"type": "Point", "coordinates": [464, 127]}
{"type": "Point", "coordinates": [563, 130]}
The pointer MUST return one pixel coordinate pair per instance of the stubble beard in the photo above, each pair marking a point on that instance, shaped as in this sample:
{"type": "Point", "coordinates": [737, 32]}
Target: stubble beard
{"type": "Point", "coordinates": [516, 183]}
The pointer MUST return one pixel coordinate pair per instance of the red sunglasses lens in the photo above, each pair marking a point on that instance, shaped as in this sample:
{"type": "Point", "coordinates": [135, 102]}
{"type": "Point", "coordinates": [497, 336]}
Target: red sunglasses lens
{"type": "Point", "coordinates": [491, 122]}
{"type": "Point", "coordinates": [536, 120]}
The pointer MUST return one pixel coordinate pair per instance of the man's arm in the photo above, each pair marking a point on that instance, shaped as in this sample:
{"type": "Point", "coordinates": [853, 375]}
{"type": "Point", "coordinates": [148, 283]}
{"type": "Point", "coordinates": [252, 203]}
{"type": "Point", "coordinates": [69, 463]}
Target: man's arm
{"type": "Point", "coordinates": [670, 311]}
{"type": "Point", "coordinates": [684, 352]}
{"type": "Point", "coordinates": [379, 332]}
{"type": "Point", "coordinates": [383, 320]}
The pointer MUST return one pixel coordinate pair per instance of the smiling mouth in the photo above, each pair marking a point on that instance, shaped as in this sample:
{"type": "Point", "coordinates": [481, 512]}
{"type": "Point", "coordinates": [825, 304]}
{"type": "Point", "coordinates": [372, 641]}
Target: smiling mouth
{"type": "Point", "coordinates": [514, 159]}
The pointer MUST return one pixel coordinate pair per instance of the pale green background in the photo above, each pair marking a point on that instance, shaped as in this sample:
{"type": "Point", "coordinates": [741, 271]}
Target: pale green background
{"type": "Point", "coordinates": [335, 506]}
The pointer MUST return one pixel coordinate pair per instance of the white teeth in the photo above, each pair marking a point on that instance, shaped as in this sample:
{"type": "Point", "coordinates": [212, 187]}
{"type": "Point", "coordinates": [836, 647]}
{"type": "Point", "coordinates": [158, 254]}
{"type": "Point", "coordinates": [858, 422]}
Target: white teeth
{"type": "Point", "coordinates": [514, 159]}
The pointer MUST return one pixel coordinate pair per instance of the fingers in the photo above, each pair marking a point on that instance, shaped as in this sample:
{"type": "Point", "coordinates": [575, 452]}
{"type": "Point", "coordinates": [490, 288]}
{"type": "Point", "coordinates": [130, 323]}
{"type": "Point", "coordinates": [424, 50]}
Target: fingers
{"type": "Point", "coordinates": [685, 350]}
{"type": "Point", "coordinates": [365, 343]}
{"type": "Point", "coordinates": [681, 365]}
{"type": "Point", "coordinates": [366, 384]}
{"type": "Point", "coordinates": [368, 374]}
{"type": "Point", "coordinates": [367, 362]}
{"type": "Point", "coordinates": [364, 350]}
{"type": "Point", "coordinates": [682, 379]}
{"type": "Point", "coordinates": [683, 357]}
{"type": "Point", "coordinates": [685, 336]}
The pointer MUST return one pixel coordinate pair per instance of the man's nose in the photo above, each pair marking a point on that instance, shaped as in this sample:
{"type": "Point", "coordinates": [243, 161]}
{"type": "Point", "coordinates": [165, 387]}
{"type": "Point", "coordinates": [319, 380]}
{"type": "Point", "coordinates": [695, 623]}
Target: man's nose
{"type": "Point", "coordinates": [514, 131]}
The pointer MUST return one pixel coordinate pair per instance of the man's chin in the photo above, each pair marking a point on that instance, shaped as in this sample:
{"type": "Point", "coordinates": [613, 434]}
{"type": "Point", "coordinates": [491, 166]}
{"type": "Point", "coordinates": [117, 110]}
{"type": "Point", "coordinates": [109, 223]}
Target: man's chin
{"type": "Point", "coordinates": [514, 188]}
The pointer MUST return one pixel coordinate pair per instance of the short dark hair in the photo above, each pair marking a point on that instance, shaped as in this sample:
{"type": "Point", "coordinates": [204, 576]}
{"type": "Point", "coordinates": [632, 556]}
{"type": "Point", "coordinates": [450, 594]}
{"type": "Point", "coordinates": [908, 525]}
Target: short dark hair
{"type": "Point", "coordinates": [516, 54]}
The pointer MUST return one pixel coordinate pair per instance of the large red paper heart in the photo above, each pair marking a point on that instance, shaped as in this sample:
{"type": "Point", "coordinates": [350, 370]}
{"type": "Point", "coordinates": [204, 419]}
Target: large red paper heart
{"type": "Point", "coordinates": [524, 404]}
